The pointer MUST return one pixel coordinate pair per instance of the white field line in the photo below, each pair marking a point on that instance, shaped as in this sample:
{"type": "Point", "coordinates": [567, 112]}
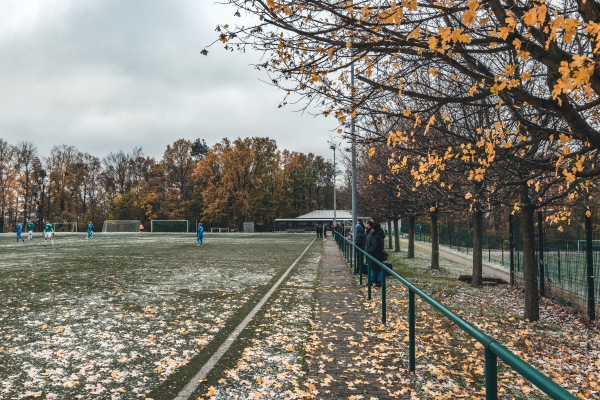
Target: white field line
{"type": "Point", "coordinates": [193, 384]}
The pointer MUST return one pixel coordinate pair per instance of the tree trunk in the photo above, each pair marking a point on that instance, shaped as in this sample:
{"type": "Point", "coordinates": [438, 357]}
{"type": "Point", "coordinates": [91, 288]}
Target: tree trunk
{"type": "Point", "coordinates": [532, 301]}
{"type": "Point", "coordinates": [389, 233]}
{"type": "Point", "coordinates": [396, 236]}
{"type": "Point", "coordinates": [435, 242]}
{"type": "Point", "coordinates": [477, 280]}
{"type": "Point", "coordinates": [411, 236]}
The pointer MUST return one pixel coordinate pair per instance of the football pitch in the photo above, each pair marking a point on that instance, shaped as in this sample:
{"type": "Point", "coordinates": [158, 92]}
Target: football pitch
{"type": "Point", "coordinates": [135, 316]}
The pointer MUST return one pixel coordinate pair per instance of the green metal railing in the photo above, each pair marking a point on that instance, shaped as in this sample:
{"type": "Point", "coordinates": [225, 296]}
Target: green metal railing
{"type": "Point", "coordinates": [492, 350]}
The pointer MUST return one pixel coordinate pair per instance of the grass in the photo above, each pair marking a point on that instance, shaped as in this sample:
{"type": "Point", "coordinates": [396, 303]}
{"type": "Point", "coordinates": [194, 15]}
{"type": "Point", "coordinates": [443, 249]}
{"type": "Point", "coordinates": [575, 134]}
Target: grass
{"type": "Point", "coordinates": [119, 316]}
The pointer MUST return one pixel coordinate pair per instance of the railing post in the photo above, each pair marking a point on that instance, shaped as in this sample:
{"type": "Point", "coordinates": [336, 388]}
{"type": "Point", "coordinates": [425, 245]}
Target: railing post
{"type": "Point", "coordinates": [368, 279]}
{"type": "Point", "coordinates": [360, 267]}
{"type": "Point", "coordinates": [411, 331]}
{"type": "Point", "coordinates": [383, 298]}
{"type": "Point", "coordinates": [491, 375]}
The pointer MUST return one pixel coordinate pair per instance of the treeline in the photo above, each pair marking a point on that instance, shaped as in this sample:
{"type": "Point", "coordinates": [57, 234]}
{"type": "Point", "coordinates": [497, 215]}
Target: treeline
{"type": "Point", "coordinates": [232, 182]}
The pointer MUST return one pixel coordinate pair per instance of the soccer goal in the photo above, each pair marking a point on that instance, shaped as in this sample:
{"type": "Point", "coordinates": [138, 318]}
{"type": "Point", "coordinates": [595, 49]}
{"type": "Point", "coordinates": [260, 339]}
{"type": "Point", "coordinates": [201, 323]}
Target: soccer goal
{"type": "Point", "coordinates": [219, 230]}
{"type": "Point", "coordinates": [64, 226]}
{"type": "Point", "coordinates": [582, 245]}
{"type": "Point", "coordinates": [248, 227]}
{"type": "Point", "coordinates": [121, 225]}
{"type": "Point", "coordinates": [170, 225]}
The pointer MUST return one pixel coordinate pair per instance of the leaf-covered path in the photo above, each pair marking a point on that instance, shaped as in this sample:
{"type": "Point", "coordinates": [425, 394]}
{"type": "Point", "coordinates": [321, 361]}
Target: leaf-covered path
{"type": "Point", "coordinates": [346, 357]}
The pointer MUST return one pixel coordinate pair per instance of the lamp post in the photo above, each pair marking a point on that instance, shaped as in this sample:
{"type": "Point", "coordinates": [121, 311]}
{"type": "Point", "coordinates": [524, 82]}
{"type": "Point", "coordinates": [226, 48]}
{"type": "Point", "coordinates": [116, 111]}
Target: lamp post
{"type": "Point", "coordinates": [332, 147]}
{"type": "Point", "coordinates": [353, 139]}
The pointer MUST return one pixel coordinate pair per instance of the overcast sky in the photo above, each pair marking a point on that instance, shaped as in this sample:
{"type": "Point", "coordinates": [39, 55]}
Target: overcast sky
{"type": "Point", "coordinates": [109, 75]}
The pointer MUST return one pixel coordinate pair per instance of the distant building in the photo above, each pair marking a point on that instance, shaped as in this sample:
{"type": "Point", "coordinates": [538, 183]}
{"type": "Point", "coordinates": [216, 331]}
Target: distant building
{"type": "Point", "coordinates": [307, 222]}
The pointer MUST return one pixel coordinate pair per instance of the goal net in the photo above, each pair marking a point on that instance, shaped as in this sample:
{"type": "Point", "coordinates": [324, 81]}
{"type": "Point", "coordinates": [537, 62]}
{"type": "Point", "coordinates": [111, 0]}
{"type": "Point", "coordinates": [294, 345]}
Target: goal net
{"type": "Point", "coordinates": [582, 245]}
{"type": "Point", "coordinates": [248, 227]}
{"type": "Point", "coordinates": [121, 225]}
{"type": "Point", "coordinates": [64, 226]}
{"type": "Point", "coordinates": [219, 230]}
{"type": "Point", "coordinates": [171, 225]}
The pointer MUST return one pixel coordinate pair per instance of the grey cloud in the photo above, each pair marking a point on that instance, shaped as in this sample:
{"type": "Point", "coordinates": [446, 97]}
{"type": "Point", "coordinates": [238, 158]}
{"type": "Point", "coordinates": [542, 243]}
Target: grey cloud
{"type": "Point", "coordinates": [107, 75]}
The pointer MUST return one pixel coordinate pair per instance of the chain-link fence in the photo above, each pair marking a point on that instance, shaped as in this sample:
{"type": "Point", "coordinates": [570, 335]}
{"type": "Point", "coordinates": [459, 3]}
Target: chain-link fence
{"type": "Point", "coordinates": [565, 273]}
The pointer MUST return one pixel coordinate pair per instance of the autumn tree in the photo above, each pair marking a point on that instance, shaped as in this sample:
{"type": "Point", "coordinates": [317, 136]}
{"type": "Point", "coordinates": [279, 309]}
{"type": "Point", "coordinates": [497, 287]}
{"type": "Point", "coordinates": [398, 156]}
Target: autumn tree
{"type": "Point", "coordinates": [8, 182]}
{"type": "Point", "coordinates": [178, 168]}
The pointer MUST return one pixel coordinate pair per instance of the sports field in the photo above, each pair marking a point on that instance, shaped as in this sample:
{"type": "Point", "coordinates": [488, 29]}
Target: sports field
{"type": "Point", "coordinates": [135, 316]}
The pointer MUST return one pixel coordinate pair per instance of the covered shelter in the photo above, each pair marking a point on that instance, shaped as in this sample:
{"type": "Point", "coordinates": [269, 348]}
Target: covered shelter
{"type": "Point", "coordinates": [308, 222]}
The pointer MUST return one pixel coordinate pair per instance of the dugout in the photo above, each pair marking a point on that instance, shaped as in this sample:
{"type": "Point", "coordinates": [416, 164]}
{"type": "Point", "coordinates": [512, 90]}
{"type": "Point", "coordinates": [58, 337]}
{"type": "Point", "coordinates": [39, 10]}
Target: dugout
{"type": "Point", "coordinates": [307, 222]}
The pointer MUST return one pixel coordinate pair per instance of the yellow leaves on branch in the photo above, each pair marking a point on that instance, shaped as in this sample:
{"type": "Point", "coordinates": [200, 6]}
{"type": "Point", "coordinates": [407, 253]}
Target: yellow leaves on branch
{"type": "Point", "coordinates": [446, 36]}
{"type": "Point", "coordinates": [574, 75]}
{"type": "Point", "coordinates": [330, 53]}
{"type": "Point", "coordinates": [431, 122]}
{"type": "Point", "coordinates": [593, 28]}
{"type": "Point", "coordinates": [415, 33]}
{"type": "Point", "coordinates": [393, 15]}
{"type": "Point", "coordinates": [567, 25]}
{"type": "Point", "coordinates": [371, 152]}
{"type": "Point", "coordinates": [536, 15]}
{"type": "Point", "coordinates": [469, 16]}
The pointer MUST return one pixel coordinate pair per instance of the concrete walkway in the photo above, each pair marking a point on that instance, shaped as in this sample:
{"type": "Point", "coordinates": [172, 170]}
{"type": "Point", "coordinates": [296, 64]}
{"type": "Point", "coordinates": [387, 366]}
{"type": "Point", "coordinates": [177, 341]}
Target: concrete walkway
{"type": "Point", "coordinates": [345, 358]}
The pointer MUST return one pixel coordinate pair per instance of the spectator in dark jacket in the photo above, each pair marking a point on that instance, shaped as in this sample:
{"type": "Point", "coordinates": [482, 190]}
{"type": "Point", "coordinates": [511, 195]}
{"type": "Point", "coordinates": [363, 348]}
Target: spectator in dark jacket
{"type": "Point", "coordinates": [360, 241]}
{"type": "Point", "coordinates": [375, 248]}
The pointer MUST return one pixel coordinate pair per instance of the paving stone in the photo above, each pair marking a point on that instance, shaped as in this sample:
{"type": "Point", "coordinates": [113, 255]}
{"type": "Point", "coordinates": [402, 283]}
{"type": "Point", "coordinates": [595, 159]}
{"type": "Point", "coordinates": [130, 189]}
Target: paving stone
{"type": "Point", "coordinates": [339, 367]}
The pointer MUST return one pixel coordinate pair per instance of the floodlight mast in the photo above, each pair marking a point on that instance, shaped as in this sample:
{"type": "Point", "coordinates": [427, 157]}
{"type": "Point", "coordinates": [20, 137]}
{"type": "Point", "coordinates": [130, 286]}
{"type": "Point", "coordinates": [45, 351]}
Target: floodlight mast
{"type": "Point", "coordinates": [353, 143]}
{"type": "Point", "coordinates": [332, 147]}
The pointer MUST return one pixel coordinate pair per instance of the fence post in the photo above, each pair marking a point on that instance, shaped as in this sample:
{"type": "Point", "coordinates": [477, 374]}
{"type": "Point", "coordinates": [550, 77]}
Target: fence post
{"type": "Point", "coordinates": [541, 255]}
{"type": "Point", "coordinates": [511, 247]}
{"type": "Point", "coordinates": [491, 375]}
{"type": "Point", "coordinates": [411, 331]}
{"type": "Point", "coordinates": [589, 257]}
{"type": "Point", "coordinates": [558, 264]}
{"type": "Point", "coordinates": [489, 248]}
{"type": "Point", "coordinates": [383, 298]}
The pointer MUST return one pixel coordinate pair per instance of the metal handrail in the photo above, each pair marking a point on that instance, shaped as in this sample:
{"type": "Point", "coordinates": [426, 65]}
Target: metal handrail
{"type": "Point", "coordinates": [492, 349]}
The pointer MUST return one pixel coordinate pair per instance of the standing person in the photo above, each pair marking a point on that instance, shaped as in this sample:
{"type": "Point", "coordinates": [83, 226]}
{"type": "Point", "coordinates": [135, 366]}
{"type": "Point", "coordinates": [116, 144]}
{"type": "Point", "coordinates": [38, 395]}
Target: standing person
{"type": "Point", "coordinates": [360, 240]}
{"type": "Point", "coordinates": [90, 230]}
{"type": "Point", "coordinates": [141, 228]}
{"type": "Point", "coordinates": [318, 229]}
{"type": "Point", "coordinates": [359, 222]}
{"type": "Point", "coordinates": [199, 234]}
{"type": "Point", "coordinates": [30, 228]}
{"type": "Point", "coordinates": [48, 233]}
{"type": "Point", "coordinates": [19, 232]}
{"type": "Point", "coordinates": [375, 248]}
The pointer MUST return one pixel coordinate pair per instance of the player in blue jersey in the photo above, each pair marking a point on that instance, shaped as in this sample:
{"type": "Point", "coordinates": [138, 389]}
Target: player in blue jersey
{"type": "Point", "coordinates": [200, 235]}
{"type": "Point", "coordinates": [90, 230]}
{"type": "Point", "coordinates": [19, 232]}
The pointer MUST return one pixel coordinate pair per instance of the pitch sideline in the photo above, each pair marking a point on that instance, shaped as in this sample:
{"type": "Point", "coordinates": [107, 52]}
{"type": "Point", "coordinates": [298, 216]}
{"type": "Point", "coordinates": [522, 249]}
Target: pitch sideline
{"type": "Point", "coordinates": [193, 384]}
